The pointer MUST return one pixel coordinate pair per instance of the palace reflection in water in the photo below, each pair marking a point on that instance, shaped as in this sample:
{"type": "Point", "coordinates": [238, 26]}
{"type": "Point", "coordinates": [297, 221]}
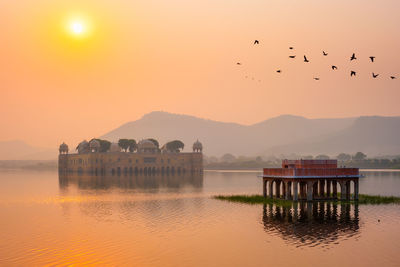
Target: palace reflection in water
{"type": "Point", "coordinates": [84, 181]}
{"type": "Point", "coordinates": [312, 223]}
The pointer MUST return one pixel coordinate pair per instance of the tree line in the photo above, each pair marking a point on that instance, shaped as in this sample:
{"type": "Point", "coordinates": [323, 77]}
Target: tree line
{"type": "Point", "coordinates": [130, 145]}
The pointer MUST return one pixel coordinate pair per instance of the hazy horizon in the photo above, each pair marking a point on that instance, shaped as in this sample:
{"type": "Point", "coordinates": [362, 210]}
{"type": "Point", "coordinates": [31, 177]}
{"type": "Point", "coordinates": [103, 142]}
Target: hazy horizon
{"type": "Point", "coordinates": [77, 139]}
{"type": "Point", "coordinates": [179, 56]}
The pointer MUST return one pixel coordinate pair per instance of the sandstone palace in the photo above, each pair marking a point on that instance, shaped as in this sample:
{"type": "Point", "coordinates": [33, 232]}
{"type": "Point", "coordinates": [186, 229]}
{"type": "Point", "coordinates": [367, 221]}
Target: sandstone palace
{"type": "Point", "coordinates": [100, 157]}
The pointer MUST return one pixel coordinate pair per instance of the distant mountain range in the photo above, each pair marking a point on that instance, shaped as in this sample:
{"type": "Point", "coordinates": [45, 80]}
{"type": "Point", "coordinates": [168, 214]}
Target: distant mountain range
{"type": "Point", "coordinates": [285, 134]}
{"type": "Point", "coordinates": [19, 150]}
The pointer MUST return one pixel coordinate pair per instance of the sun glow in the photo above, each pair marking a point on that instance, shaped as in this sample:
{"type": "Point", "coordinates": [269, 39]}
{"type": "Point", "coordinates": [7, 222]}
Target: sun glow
{"type": "Point", "coordinates": [78, 27]}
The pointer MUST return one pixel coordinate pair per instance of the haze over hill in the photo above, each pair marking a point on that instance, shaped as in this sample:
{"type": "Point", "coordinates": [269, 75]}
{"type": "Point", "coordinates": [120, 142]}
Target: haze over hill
{"type": "Point", "coordinates": [284, 134]}
{"type": "Point", "coordinates": [19, 150]}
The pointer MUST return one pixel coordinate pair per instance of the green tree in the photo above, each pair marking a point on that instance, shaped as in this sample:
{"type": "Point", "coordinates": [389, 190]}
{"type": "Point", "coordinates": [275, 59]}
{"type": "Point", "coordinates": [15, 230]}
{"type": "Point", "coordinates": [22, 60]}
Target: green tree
{"type": "Point", "coordinates": [322, 157]}
{"type": "Point", "coordinates": [124, 144]}
{"type": "Point", "coordinates": [104, 145]}
{"type": "Point", "coordinates": [175, 145]}
{"type": "Point", "coordinates": [344, 157]}
{"type": "Point", "coordinates": [132, 145]}
{"type": "Point", "coordinates": [359, 156]}
{"type": "Point", "coordinates": [228, 158]}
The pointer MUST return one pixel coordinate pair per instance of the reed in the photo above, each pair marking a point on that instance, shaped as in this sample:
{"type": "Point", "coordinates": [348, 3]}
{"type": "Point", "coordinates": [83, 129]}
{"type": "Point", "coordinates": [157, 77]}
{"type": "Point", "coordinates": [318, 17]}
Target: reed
{"type": "Point", "coordinates": [259, 199]}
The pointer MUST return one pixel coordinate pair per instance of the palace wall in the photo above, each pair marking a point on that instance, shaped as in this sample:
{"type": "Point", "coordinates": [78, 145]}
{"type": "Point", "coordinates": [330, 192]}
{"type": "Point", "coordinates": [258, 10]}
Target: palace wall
{"type": "Point", "coordinates": [123, 163]}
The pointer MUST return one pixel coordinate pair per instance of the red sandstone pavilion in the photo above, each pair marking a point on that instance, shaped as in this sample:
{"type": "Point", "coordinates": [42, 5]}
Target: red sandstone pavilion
{"type": "Point", "coordinates": [310, 180]}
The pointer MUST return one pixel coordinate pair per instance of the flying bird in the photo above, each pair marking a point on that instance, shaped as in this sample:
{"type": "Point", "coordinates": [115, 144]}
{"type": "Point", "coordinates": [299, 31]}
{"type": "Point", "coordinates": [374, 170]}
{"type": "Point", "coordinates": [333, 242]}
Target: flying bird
{"type": "Point", "coordinates": [316, 78]}
{"type": "Point", "coordinates": [325, 54]}
{"type": "Point", "coordinates": [292, 56]}
{"type": "Point", "coordinates": [352, 73]}
{"type": "Point", "coordinates": [374, 75]}
{"type": "Point", "coordinates": [334, 67]}
{"type": "Point", "coordinates": [291, 48]}
{"type": "Point", "coordinates": [278, 71]}
{"type": "Point", "coordinates": [392, 77]}
{"type": "Point", "coordinates": [256, 42]}
{"type": "Point", "coordinates": [353, 57]}
{"type": "Point", "coordinates": [305, 59]}
{"type": "Point", "coordinates": [372, 59]}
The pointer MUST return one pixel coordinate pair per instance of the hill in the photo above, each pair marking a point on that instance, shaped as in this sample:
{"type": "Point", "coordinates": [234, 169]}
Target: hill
{"type": "Point", "coordinates": [264, 138]}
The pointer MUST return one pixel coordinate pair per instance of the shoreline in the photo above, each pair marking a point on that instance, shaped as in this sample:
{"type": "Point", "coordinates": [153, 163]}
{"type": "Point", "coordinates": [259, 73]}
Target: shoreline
{"type": "Point", "coordinates": [364, 199]}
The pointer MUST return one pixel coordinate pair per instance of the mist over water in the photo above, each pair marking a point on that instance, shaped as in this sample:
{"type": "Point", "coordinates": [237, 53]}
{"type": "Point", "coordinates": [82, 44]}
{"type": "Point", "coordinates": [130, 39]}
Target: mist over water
{"type": "Point", "coordinates": [172, 220]}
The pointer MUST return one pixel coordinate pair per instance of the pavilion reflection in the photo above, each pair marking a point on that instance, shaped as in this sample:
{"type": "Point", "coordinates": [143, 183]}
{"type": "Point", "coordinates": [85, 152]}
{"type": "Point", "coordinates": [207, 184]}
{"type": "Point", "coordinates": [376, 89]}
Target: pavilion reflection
{"type": "Point", "coordinates": [131, 182]}
{"type": "Point", "coordinates": [312, 223]}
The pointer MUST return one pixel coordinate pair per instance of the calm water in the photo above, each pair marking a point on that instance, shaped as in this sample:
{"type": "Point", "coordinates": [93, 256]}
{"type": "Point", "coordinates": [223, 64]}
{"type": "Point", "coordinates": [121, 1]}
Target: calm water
{"type": "Point", "coordinates": [172, 221]}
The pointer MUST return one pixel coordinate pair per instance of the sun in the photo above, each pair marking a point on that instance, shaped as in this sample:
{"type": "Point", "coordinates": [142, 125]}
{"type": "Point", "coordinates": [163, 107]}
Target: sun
{"type": "Point", "coordinates": [78, 27]}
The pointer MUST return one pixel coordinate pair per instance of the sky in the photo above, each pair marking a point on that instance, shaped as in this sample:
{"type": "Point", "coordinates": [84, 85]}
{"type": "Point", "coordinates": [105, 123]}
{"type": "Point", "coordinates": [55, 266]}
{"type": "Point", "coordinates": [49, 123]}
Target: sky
{"type": "Point", "coordinates": [134, 57]}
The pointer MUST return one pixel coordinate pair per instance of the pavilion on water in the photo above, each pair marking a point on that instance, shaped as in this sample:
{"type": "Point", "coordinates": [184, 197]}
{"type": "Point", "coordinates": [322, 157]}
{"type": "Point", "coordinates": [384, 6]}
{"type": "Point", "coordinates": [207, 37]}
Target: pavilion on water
{"type": "Point", "coordinates": [310, 180]}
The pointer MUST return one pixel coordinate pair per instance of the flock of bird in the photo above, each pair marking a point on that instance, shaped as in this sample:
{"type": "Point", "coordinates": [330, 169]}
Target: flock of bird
{"type": "Point", "coordinates": [353, 57]}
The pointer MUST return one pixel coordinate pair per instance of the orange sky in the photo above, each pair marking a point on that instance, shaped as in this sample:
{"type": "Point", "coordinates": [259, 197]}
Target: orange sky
{"type": "Point", "coordinates": [180, 56]}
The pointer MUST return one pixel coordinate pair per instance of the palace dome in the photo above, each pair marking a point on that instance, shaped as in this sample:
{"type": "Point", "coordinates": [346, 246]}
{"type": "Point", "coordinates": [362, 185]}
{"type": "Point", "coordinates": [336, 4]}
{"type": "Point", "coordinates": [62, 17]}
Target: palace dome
{"type": "Point", "coordinates": [94, 144]}
{"type": "Point", "coordinates": [63, 148]}
{"type": "Point", "coordinates": [146, 144]}
{"type": "Point", "coordinates": [197, 146]}
{"type": "Point", "coordinates": [114, 147]}
{"type": "Point", "coordinates": [83, 147]}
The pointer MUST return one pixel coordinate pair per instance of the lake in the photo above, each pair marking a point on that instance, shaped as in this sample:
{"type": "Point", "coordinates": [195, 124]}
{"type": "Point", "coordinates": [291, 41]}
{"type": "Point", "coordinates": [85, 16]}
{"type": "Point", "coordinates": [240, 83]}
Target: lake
{"type": "Point", "coordinates": [173, 221]}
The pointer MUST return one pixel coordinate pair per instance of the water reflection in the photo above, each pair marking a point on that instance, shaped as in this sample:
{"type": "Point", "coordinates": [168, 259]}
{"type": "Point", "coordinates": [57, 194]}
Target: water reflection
{"type": "Point", "coordinates": [130, 182]}
{"type": "Point", "coordinates": [312, 224]}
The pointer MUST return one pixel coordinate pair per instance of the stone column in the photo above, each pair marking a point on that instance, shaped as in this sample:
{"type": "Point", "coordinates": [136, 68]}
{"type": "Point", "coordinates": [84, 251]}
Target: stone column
{"type": "Point", "coordinates": [356, 189]}
{"type": "Point", "coordinates": [283, 189]}
{"type": "Point", "coordinates": [270, 189]}
{"type": "Point", "coordinates": [321, 188]}
{"type": "Point", "coordinates": [315, 189]}
{"type": "Point", "coordinates": [343, 191]}
{"type": "Point", "coordinates": [278, 188]}
{"type": "Point", "coordinates": [264, 188]}
{"type": "Point", "coordinates": [301, 189]}
{"type": "Point", "coordinates": [310, 188]}
{"type": "Point", "coordinates": [295, 192]}
{"type": "Point", "coordinates": [334, 188]}
{"type": "Point", "coordinates": [348, 189]}
{"type": "Point", "coordinates": [287, 190]}
{"type": "Point", "coordinates": [328, 188]}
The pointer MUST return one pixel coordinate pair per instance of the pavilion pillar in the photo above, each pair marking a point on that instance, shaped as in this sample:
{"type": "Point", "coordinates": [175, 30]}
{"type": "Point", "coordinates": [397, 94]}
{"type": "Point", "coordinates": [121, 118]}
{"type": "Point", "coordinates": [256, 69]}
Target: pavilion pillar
{"type": "Point", "coordinates": [328, 188]}
{"type": "Point", "coordinates": [278, 188]}
{"type": "Point", "coordinates": [270, 189]}
{"type": "Point", "coordinates": [310, 187]}
{"type": "Point", "coordinates": [287, 190]}
{"type": "Point", "coordinates": [301, 185]}
{"type": "Point", "coordinates": [321, 188]}
{"type": "Point", "coordinates": [334, 188]}
{"type": "Point", "coordinates": [356, 189]}
{"type": "Point", "coordinates": [295, 193]}
{"type": "Point", "coordinates": [283, 189]}
{"type": "Point", "coordinates": [265, 187]}
{"type": "Point", "coordinates": [315, 189]}
{"type": "Point", "coordinates": [343, 191]}
{"type": "Point", "coordinates": [348, 190]}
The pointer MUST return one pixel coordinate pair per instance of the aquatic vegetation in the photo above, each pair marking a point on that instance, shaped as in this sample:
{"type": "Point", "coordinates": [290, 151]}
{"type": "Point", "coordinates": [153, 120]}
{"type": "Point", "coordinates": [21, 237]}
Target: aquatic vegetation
{"type": "Point", "coordinates": [259, 199]}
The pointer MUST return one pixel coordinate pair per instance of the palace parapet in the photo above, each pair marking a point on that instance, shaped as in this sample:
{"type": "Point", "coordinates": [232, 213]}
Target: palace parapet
{"type": "Point", "coordinates": [147, 159]}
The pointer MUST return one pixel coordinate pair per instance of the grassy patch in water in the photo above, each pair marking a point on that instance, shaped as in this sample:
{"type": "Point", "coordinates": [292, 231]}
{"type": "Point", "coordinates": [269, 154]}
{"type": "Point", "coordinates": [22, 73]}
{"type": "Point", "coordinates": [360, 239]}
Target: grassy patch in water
{"type": "Point", "coordinates": [259, 199]}
{"type": "Point", "coordinates": [253, 199]}
{"type": "Point", "coordinates": [370, 199]}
